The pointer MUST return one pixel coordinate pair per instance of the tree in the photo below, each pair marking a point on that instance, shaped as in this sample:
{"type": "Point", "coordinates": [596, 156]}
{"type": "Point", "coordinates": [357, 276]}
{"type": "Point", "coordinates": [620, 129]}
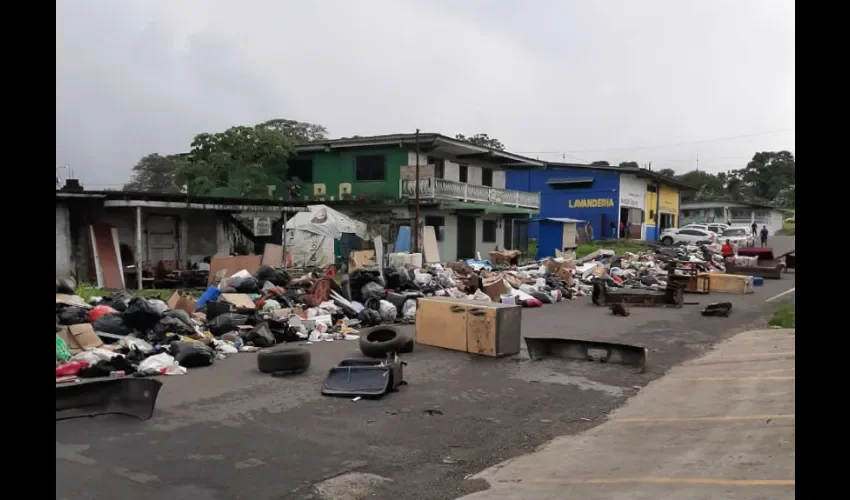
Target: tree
{"type": "Point", "coordinates": [155, 173]}
{"type": "Point", "coordinates": [601, 163]}
{"type": "Point", "coordinates": [629, 164]}
{"type": "Point", "coordinates": [669, 172]}
{"type": "Point", "coordinates": [247, 158]}
{"type": "Point", "coordinates": [482, 140]}
{"type": "Point", "coordinates": [298, 132]}
{"type": "Point", "coordinates": [767, 174]}
{"type": "Point", "coordinates": [709, 187]}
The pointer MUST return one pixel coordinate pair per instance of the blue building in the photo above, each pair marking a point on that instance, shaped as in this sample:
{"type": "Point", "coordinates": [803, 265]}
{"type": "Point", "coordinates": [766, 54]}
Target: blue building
{"type": "Point", "coordinates": [604, 196]}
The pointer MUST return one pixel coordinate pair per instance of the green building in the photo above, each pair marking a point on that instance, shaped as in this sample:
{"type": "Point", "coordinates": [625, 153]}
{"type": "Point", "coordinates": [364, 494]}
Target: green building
{"type": "Point", "coordinates": [461, 188]}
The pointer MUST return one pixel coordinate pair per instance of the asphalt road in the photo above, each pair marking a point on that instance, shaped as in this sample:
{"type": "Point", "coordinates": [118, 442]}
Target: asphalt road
{"type": "Point", "coordinates": [229, 432]}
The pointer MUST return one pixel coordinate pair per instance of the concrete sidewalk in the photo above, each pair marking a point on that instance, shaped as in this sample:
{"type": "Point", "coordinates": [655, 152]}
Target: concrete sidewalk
{"type": "Point", "coordinates": [718, 427]}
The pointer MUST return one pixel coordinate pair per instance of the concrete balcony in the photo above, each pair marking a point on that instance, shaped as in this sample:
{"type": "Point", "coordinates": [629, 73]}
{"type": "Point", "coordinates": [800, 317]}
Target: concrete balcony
{"type": "Point", "coordinates": [441, 189]}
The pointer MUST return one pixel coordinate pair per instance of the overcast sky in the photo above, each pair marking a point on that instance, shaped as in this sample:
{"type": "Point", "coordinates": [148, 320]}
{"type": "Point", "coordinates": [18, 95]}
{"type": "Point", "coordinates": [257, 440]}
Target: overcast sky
{"type": "Point", "coordinates": [658, 81]}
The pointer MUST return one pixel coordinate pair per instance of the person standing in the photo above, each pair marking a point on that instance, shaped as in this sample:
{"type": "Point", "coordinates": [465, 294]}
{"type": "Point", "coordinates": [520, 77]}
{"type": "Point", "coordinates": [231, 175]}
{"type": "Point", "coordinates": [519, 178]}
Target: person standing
{"type": "Point", "coordinates": [628, 228]}
{"type": "Point", "coordinates": [727, 250]}
{"type": "Point", "coordinates": [755, 229]}
{"type": "Point", "coordinates": [764, 233]}
{"type": "Point", "coordinates": [613, 230]}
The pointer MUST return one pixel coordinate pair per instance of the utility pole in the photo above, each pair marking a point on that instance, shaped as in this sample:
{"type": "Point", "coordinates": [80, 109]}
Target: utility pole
{"type": "Point", "coordinates": [416, 210]}
{"type": "Point", "coordinates": [697, 162]}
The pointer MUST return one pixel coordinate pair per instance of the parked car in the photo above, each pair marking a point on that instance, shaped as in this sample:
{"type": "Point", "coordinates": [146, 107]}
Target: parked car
{"type": "Point", "coordinates": [739, 237]}
{"type": "Point", "coordinates": [689, 235]}
{"type": "Point", "coordinates": [714, 227]}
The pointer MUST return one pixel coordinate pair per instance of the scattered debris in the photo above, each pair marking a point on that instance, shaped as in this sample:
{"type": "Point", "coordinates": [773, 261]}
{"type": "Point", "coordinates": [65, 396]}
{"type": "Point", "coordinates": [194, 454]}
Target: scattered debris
{"type": "Point", "coordinates": [619, 310]}
{"type": "Point", "coordinates": [721, 309]}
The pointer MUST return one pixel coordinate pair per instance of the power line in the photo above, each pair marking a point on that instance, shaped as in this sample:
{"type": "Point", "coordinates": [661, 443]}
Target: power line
{"type": "Point", "coordinates": [701, 141]}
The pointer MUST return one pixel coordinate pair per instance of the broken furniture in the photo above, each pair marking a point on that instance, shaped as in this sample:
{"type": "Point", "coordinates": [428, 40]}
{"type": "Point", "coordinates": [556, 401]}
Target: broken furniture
{"type": "Point", "coordinates": [721, 309]}
{"type": "Point", "coordinates": [760, 253]}
{"type": "Point", "coordinates": [769, 269]}
{"type": "Point", "coordinates": [688, 277]}
{"type": "Point", "coordinates": [730, 283]}
{"type": "Point", "coordinates": [586, 350]}
{"type": "Point", "coordinates": [132, 396]}
{"type": "Point", "coordinates": [368, 378]}
{"type": "Point", "coordinates": [672, 296]}
{"type": "Point", "coordinates": [477, 327]}
{"type": "Point", "coordinates": [790, 260]}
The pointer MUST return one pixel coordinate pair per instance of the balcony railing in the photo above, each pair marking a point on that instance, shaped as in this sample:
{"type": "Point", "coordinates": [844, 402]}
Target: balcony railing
{"type": "Point", "coordinates": [442, 189]}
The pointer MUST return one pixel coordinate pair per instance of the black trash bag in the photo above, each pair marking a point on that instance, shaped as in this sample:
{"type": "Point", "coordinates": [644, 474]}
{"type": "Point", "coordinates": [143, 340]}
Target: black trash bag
{"type": "Point", "coordinates": [116, 300]}
{"type": "Point", "coordinates": [72, 315]}
{"type": "Point", "coordinates": [268, 273]}
{"type": "Point", "coordinates": [66, 285]}
{"type": "Point", "coordinates": [170, 325]}
{"type": "Point", "coordinates": [227, 322]}
{"type": "Point", "coordinates": [245, 285]}
{"type": "Point", "coordinates": [112, 323]}
{"type": "Point", "coordinates": [141, 315]}
{"type": "Point", "coordinates": [192, 354]}
{"type": "Point", "coordinates": [358, 279]}
{"type": "Point", "coordinates": [544, 298]}
{"type": "Point", "coordinates": [369, 317]}
{"type": "Point", "coordinates": [217, 308]}
{"type": "Point", "coordinates": [260, 336]}
{"type": "Point", "coordinates": [181, 315]}
{"type": "Point", "coordinates": [372, 290]}
{"type": "Point", "coordinates": [396, 299]}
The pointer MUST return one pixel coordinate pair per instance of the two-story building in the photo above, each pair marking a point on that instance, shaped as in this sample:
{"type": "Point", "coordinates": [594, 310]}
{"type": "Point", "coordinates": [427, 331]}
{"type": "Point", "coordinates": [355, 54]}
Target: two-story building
{"type": "Point", "coordinates": [462, 189]}
{"type": "Point", "coordinates": [603, 196]}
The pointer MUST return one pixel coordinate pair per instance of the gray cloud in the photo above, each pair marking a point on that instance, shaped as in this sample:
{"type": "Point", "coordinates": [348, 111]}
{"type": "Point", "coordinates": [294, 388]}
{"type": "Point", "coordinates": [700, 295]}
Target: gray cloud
{"type": "Point", "coordinates": [559, 80]}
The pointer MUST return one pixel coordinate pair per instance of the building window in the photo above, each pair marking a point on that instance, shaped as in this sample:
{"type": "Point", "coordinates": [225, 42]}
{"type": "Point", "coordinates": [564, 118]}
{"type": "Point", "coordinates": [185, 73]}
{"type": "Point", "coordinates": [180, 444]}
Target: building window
{"type": "Point", "coordinates": [300, 168]}
{"type": "Point", "coordinates": [487, 177]}
{"type": "Point", "coordinates": [439, 224]}
{"type": "Point", "coordinates": [651, 188]}
{"type": "Point", "coordinates": [370, 168]}
{"type": "Point", "coordinates": [439, 166]}
{"type": "Point", "coordinates": [578, 183]}
{"type": "Point", "coordinates": [488, 231]}
{"type": "Point", "coordinates": [462, 173]}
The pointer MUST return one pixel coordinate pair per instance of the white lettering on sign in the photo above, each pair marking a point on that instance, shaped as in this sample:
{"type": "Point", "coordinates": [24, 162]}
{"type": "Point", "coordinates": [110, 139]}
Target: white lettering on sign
{"type": "Point", "coordinates": [632, 191]}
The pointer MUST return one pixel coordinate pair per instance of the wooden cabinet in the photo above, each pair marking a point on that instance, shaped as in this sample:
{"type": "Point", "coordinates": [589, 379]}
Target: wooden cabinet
{"type": "Point", "coordinates": [486, 328]}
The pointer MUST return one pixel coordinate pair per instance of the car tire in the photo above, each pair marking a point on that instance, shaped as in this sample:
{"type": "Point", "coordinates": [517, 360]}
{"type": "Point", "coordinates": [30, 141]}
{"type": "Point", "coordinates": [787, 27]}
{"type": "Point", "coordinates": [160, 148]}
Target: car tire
{"type": "Point", "coordinates": [667, 241]}
{"type": "Point", "coordinates": [380, 341]}
{"type": "Point", "coordinates": [407, 346]}
{"type": "Point", "coordinates": [283, 359]}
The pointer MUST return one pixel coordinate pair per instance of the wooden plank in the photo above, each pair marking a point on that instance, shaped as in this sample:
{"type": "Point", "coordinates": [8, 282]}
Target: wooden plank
{"type": "Point", "coordinates": [729, 283]}
{"type": "Point", "coordinates": [233, 265]}
{"type": "Point", "coordinates": [273, 255]}
{"type": "Point", "coordinates": [432, 251]}
{"type": "Point", "coordinates": [106, 258]}
{"type": "Point", "coordinates": [481, 330]}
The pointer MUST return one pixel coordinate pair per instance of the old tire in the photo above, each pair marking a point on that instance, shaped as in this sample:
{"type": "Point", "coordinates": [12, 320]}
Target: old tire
{"type": "Point", "coordinates": [283, 359]}
{"type": "Point", "coordinates": [407, 346]}
{"type": "Point", "coordinates": [380, 341]}
{"type": "Point", "coordinates": [667, 241]}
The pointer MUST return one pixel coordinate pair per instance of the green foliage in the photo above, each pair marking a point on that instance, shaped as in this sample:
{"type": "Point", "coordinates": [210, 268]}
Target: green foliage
{"type": "Point", "coordinates": [155, 173]}
{"type": "Point", "coordinates": [768, 177]}
{"type": "Point", "coordinates": [89, 290]}
{"type": "Point", "coordinates": [784, 317]}
{"type": "Point", "coordinates": [618, 246]}
{"type": "Point", "coordinates": [299, 132]}
{"type": "Point", "coordinates": [482, 140]}
{"type": "Point", "coordinates": [669, 172]}
{"type": "Point", "coordinates": [245, 158]}
{"type": "Point", "coordinates": [601, 163]}
{"type": "Point", "coordinates": [629, 164]}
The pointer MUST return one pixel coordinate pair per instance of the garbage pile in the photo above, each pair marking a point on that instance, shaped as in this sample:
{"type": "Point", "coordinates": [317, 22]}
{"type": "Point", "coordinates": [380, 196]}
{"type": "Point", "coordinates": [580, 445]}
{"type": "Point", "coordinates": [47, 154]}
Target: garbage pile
{"type": "Point", "coordinates": [121, 334]}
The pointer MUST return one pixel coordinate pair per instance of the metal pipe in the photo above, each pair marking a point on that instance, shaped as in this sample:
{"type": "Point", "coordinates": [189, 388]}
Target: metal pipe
{"type": "Point", "coordinates": [139, 247]}
{"type": "Point", "coordinates": [416, 210]}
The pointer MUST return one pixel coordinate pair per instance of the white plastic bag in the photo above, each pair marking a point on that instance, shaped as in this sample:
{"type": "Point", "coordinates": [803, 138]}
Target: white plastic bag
{"type": "Point", "coordinates": [161, 364]}
{"type": "Point", "coordinates": [93, 356]}
{"type": "Point", "coordinates": [483, 297]}
{"type": "Point", "coordinates": [408, 309]}
{"type": "Point", "coordinates": [387, 310]}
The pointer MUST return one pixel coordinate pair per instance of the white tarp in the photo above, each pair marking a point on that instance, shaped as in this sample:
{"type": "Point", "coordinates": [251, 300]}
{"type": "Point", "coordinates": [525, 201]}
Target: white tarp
{"type": "Point", "coordinates": [310, 235]}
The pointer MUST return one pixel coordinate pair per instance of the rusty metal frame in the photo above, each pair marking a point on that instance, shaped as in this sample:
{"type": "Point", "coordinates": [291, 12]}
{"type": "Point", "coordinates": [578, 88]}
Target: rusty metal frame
{"type": "Point", "coordinates": [587, 350]}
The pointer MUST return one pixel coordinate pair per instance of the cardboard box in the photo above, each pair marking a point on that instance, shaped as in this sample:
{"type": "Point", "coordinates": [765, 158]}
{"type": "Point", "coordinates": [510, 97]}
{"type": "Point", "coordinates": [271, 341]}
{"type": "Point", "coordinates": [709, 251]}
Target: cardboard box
{"type": "Point", "coordinates": [181, 302]}
{"type": "Point", "coordinates": [80, 337]}
{"type": "Point", "coordinates": [242, 301]}
{"type": "Point", "coordinates": [494, 286]}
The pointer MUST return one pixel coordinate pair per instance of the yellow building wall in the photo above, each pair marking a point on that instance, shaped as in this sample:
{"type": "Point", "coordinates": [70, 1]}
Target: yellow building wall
{"type": "Point", "coordinates": [651, 199]}
{"type": "Point", "coordinates": [668, 202]}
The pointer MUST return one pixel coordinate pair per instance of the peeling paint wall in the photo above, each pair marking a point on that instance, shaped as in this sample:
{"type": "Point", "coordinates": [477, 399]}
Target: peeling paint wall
{"type": "Point", "coordinates": [64, 249]}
